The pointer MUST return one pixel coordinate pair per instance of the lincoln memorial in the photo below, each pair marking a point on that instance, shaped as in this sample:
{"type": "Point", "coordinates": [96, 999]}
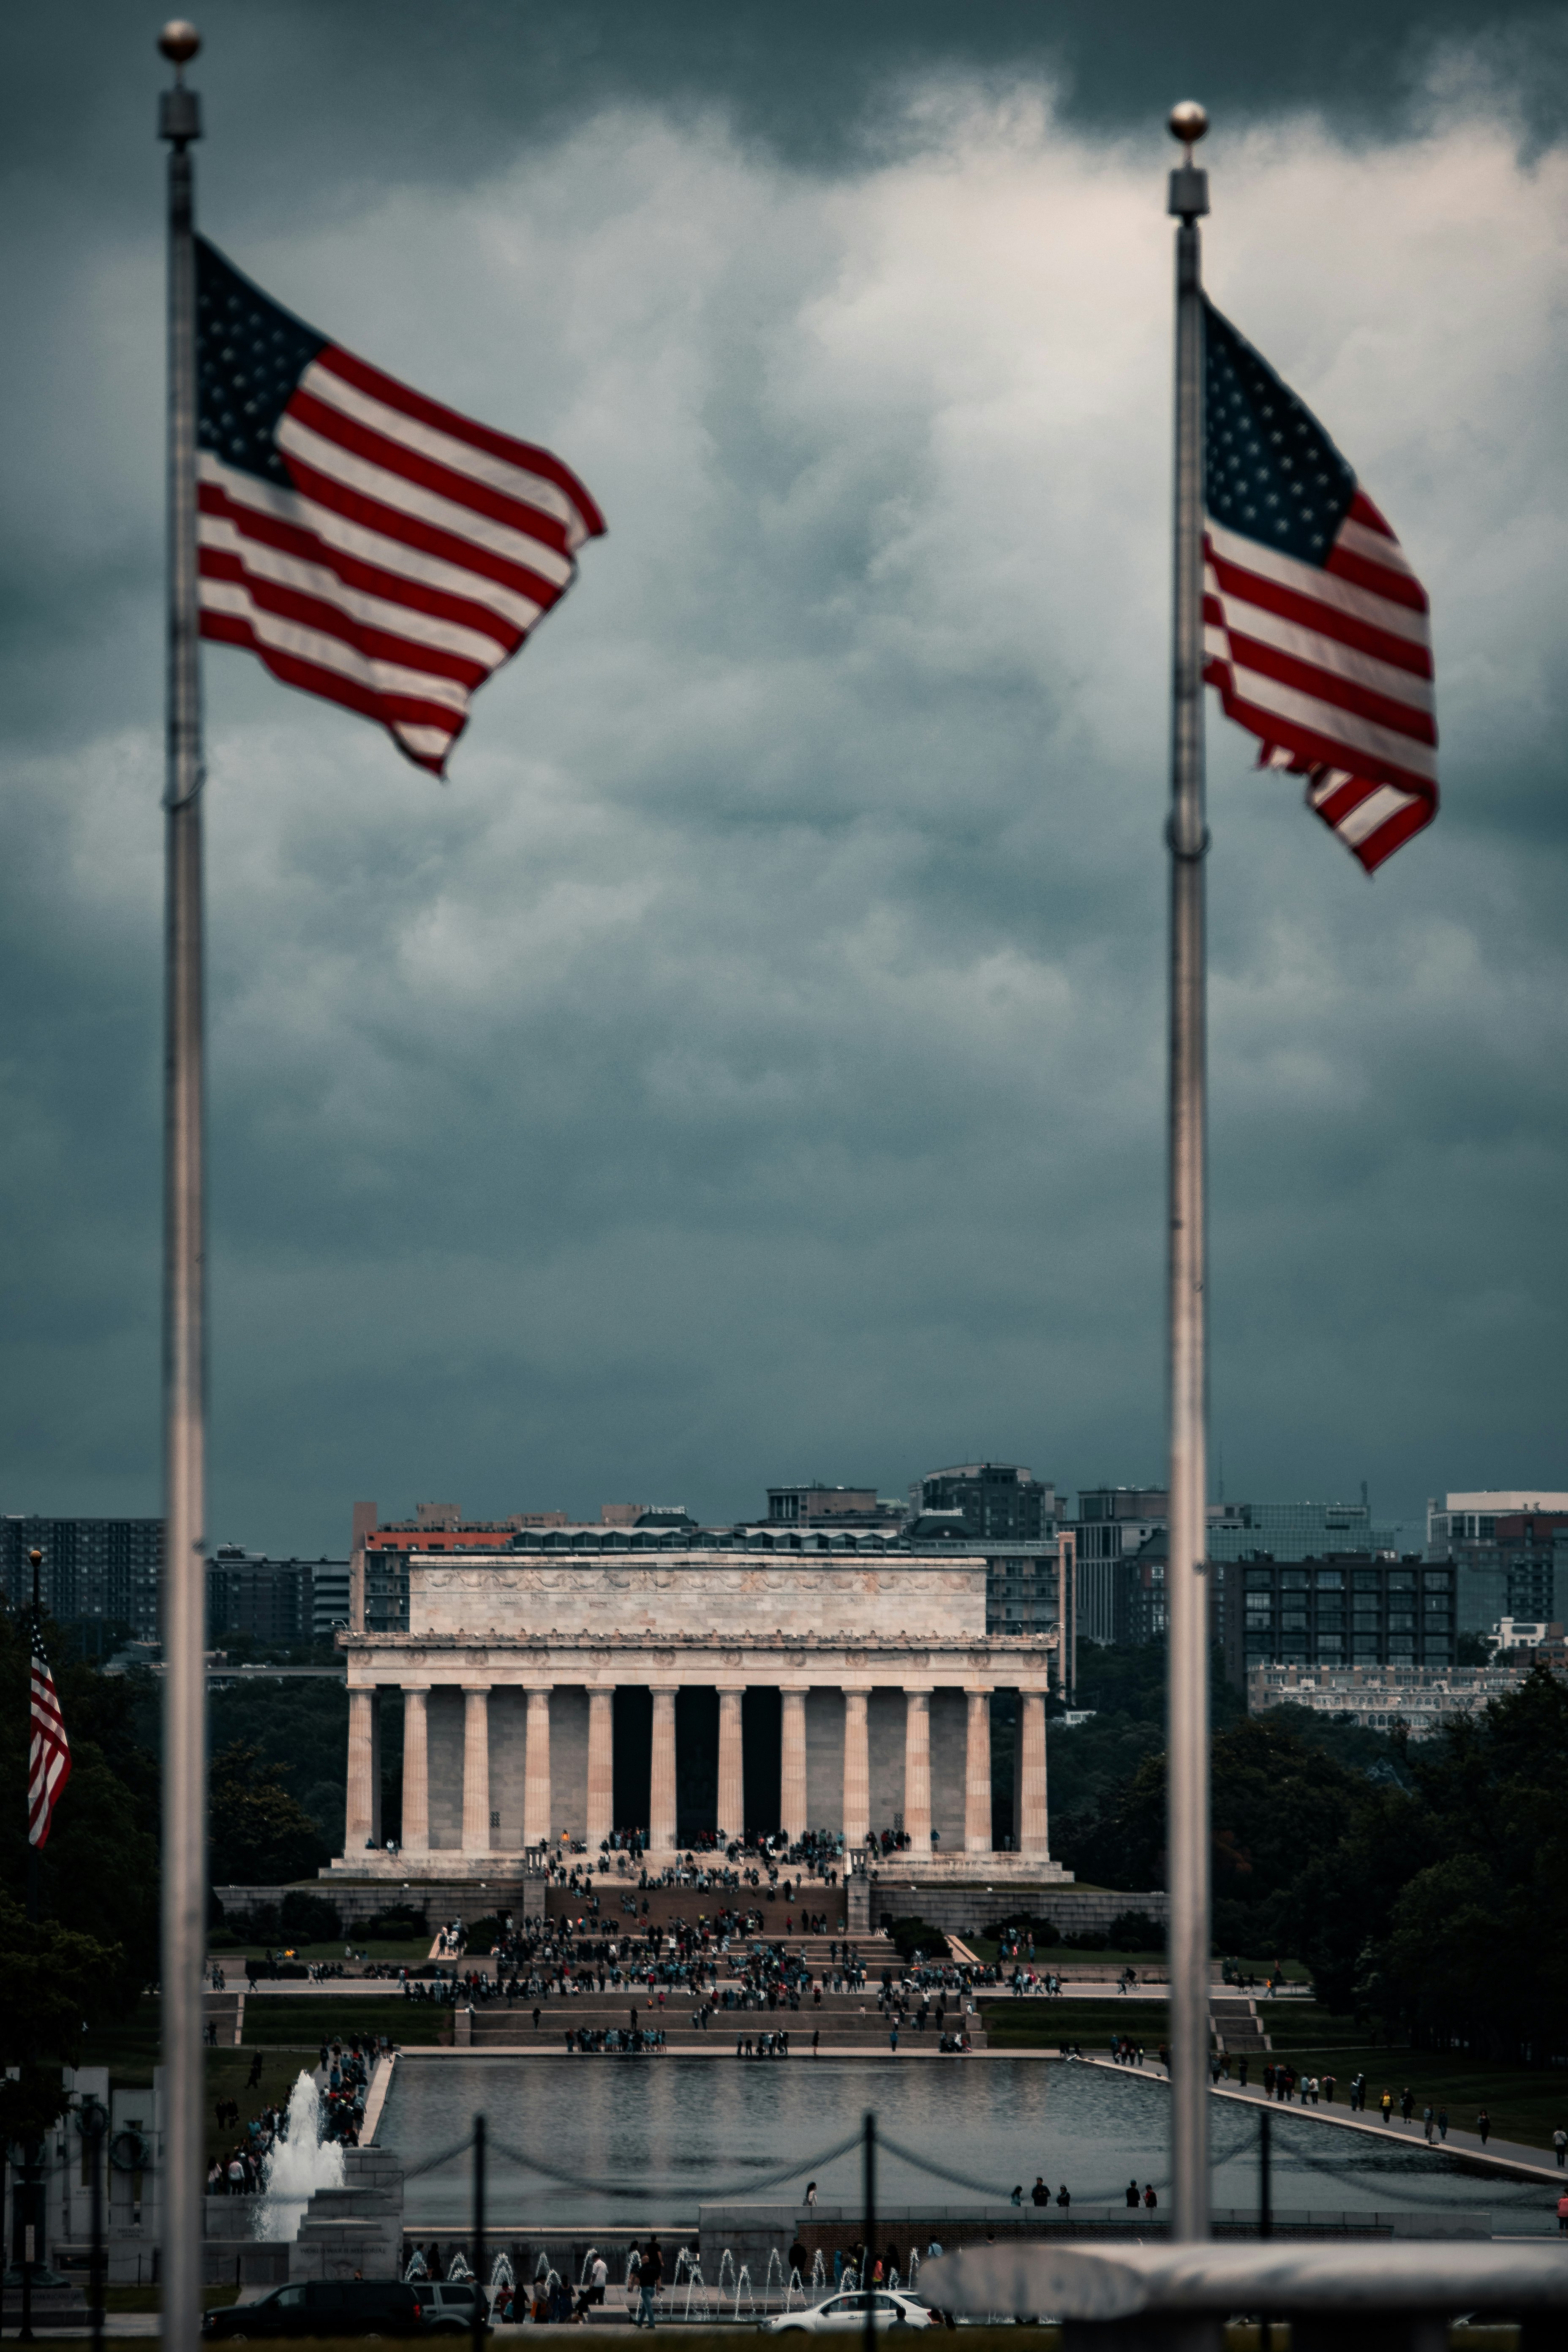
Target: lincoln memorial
{"type": "Point", "coordinates": [544, 1692]}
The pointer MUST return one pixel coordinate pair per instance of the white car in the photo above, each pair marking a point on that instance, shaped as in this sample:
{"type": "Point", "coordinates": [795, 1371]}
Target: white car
{"type": "Point", "coordinates": [841, 2312]}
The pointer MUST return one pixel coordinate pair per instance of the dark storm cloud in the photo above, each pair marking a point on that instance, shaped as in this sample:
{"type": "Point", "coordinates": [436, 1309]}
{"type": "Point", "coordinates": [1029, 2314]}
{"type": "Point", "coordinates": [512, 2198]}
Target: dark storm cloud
{"type": "Point", "coordinates": [750, 1066]}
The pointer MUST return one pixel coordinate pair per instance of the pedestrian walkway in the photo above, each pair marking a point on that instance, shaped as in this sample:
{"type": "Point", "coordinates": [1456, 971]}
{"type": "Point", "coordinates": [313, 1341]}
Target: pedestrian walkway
{"type": "Point", "coordinates": [1509, 2160]}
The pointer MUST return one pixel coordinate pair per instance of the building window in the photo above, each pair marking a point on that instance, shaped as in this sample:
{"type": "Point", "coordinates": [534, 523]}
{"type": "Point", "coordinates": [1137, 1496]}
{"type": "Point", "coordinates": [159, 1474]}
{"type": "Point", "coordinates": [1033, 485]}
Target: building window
{"type": "Point", "coordinates": [1400, 1624]}
{"type": "Point", "coordinates": [1331, 1580]}
{"type": "Point", "coordinates": [1330, 1641]}
{"type": "Point", "coordinates": [1401, 1646]}
{"type": "Point", "coordinates": [495, 1820]}
{"type": "Point", "coordinates": [1366, 1622]}
{"type": "Point", "coordinates": [1293, 1623]}
{"type": "Point", "coordinates": [1365, 1644]}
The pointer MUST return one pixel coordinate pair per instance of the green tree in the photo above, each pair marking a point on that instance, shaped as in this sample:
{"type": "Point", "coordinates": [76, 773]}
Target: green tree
{"type": "Point", "coordinates": [98, 1874]}
{"type": "Point", "coordinates": [257, 1834]}
{"type": "Point", "coordinates": [55, 1984]}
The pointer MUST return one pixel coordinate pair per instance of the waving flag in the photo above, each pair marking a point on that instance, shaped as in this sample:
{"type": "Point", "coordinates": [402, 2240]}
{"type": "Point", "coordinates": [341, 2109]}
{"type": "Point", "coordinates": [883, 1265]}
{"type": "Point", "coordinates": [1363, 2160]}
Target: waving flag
{"type": "Point", "coordinates": [1315, 626]}
{"type": "Point", "coordinates": [49, 1754]}
{"type": "Point", "coordinates": [368, 544]}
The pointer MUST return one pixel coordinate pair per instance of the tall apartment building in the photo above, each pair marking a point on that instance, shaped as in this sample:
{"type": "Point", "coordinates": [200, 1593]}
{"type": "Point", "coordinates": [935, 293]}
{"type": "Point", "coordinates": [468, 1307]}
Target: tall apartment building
{"type": "Point", "coordinates": [1510, 1549]}
{"type": "Point", "coordinates": [1294, 1531]}
{"type": "Point", "coordinates": [106, 1571]}
{"type": "Point", "coordinates": [274, 1601]}
{"type": "Point", "coordinates": [1344, 1610]}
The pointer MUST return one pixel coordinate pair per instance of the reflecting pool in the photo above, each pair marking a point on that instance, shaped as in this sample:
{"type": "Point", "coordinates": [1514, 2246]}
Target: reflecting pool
{"type": "Point", "coordinates": [646, 2140]}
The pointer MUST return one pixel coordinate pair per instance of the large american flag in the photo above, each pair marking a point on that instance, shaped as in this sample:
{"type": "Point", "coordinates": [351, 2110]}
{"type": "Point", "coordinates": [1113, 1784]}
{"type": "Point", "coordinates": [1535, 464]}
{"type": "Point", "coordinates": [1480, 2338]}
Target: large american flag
{"type": "Point", "coordinates": [49, 1754]}
{"type": "Point", "coordinates": [368, 544]}
{"type": "Point", "coordinates": [1315, 626]}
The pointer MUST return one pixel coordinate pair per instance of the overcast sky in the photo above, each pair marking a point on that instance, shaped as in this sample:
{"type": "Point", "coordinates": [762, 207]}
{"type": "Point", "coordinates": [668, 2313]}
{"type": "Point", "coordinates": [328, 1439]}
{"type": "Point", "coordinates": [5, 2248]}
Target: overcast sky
{"type": "Point", "coordinates": [750, 1066]}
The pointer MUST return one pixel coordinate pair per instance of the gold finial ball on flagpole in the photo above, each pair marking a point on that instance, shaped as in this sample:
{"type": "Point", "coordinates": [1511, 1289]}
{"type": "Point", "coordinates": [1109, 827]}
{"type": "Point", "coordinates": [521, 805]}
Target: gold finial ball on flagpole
{"type": "Point", "coordinates": [179, 41]}
{"type": "Point", "coordinates": [1187, 121]}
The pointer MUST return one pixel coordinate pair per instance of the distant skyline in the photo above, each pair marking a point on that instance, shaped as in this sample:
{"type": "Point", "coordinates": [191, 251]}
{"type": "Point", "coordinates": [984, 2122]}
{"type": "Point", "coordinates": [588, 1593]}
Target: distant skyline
{"type": "Point", "coordinates": [754, 1057]}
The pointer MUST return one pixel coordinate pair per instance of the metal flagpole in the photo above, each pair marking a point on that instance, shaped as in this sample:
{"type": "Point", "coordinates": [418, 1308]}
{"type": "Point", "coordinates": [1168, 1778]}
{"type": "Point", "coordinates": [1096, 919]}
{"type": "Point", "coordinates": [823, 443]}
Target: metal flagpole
{"type": "Point", "coordinates": [1186, 1590]}
{"type": "Point", "coordinates": [184, 1317]}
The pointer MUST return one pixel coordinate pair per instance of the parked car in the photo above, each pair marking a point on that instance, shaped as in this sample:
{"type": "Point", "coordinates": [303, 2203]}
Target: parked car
{"type": "Point", "coordinates": [841, 2312]}
{"type": "Point", "coordinates": [322, 2307]}
{"type": "Point", "coordinates": [446, 2305]}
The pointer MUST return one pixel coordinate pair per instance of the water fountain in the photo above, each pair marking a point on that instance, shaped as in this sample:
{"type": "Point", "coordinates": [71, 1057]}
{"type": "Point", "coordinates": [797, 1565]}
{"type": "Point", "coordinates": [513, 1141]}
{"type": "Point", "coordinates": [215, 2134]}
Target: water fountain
{"type": "Point", "coordinates": [502, 2272]}
{"type": "Point", "coordinates": [694, 2287]}
{"type": "Point", "coordinates": [726, 2263]}
{"type": "Point", "coordinates": [298, 2163]}
{"type": "Point", "coordinates": [457, 2268]}
{"type": "Point", "coordinates": [743, 2286]}
{"type": "Point", "coordinates": [796, 2286]}
{"type": "Point", "coordinates": [818, 2276]}
{"type": "Point", "coordinates": [773, 2256]}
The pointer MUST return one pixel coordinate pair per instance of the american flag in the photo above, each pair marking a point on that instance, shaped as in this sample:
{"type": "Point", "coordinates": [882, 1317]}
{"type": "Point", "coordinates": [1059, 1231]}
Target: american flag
{"type": "Point", "coordinates": [1315, 626]}
{"type": "Point", "coordinates": [49, 1756]}
{"type": "Point", "coordinates": [368, 544]}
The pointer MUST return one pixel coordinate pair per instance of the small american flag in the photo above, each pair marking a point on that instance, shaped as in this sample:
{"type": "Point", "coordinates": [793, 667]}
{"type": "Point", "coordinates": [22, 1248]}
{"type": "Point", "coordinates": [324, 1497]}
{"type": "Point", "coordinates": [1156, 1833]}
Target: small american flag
{"type": "Point", "coordinates": [368, 544]}
{"type": "Point", "coordinates": [1315, 627]}
{"type": "Point", "coordinates": [49, 1757]}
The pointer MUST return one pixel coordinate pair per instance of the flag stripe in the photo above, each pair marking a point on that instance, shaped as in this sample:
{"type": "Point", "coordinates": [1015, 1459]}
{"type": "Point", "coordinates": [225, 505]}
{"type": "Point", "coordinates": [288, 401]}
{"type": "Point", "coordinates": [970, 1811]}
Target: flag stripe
{"type": "Point", "coordinates": [284, 518]}
{"type": "Point", "coordinates": [520, 454]}
{"type": "Point", "coordinates": [226, 556]}
{"type": "Point", "coordinates": [1398, 587]}
{"type": "Point", "coordinates": [48, 1751]}
{"type": "Point", "coordinates": [1319, 587]}
{"type": "Point", "coordinates": [1314, 745]}
{"type": "Point", "coordinates": [332, 391]}
{"type": "Point", "coordinates": [1312, 612]}
{"type": "Point", "coordinates": [1325, 684]}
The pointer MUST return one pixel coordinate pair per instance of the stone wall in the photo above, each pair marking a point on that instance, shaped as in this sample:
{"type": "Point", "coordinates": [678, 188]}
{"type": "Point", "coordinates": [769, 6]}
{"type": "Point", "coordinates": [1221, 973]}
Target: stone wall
{"type": "Point", "coordinates": [1075, 1910]}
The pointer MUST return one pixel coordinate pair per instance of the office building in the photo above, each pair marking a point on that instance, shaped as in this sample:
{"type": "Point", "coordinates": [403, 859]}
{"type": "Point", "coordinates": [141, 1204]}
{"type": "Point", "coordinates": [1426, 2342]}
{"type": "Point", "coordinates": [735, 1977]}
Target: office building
{"type": "Point", "coordinates": [993, 1498]}
{"type": "Point", "coordinates": [1294, 1531]}
{"type": "Point", "coordinates": [94, 1570]}
{"type": "Point", "coordinates": [1112, 1526]}
{"type": "Point", "coordinates": [1510, 1549]}
{"type": "Point", "coordinates": [1346, 1609]}
{"type": "Point", "coordinates": [818, 1505]}
{"type": "Point", "coordinates": [277, 1601]}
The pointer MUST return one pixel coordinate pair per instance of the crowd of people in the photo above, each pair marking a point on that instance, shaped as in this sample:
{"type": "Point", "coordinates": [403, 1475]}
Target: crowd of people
{"type": "Point", "coordinates": [343, 2074]}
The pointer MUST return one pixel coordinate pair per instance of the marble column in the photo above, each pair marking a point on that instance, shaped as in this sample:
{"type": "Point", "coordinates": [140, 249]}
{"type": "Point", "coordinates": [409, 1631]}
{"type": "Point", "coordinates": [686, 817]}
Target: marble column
{"type": "Point", "coordinates": [731, 1765]}
{"type": "Point", "coordinates": [476, 1767]}
{"type": "Point", "coordinates": [363, 1807]}
{"type": "Point", "coordinates": [601, 1767]}
{"type": "Point", "coordinates": [415, 1770]}
{"type": "Point", "coordinates": [1032, 1827]}
{"type": "Point", "coordinates": [916, 1772]}
{"type": "Point", "coordinates": [857, 1770]}
{"type": "Point", "coordinates": [536, 1769]}
{"type": "Point", "coordinates": [661, 1779]}
{"type": "Point", "coordinates": [977, 1775]}
{"type": "Point", "coordinates": [792, 1764]}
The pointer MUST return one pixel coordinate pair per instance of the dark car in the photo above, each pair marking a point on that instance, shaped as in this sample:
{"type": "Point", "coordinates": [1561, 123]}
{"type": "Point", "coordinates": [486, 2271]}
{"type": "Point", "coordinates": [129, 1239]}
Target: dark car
{"type": "Point", "coordinates": [324, 2307]}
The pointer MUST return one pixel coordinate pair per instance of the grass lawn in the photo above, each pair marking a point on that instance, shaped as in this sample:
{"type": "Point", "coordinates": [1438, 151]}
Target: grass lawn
{"type": "Point", "coordinates": [297, 2022]}
{"type": "Point", "coordinates": [1046, 2025]}
{"type": "Point", "coordinates": [1526, 2103]}
{"type": "Point", "coordinates": [409, 1953]}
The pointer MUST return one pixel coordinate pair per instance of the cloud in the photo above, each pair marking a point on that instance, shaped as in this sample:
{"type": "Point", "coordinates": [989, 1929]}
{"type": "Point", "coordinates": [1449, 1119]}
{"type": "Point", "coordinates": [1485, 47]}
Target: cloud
{"type": "Point", "coordinates": [750, 1066]}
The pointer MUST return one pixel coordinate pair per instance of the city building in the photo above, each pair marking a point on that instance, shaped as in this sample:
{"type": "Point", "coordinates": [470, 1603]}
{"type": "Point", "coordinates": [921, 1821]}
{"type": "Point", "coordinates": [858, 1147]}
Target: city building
{"type": "Point", "coordinates": [1346, 1609]}
{"type": "Point", "coordinates": [1517, 1633]}
{"type": "Point", "coordinates": [1510, 1549]}
{"type": "Point", "coordinates": [1294, 1531]}
{"type": "Point", "coordinates": [996, 1498]}
{"type": "Point", "coordinates": [816, 1504]}
{"type": "Point", "coordinates": [1423, 1698]}
{"type": "Point", "coordinates": [837, 1681]}
{"type": "Point", "coordinates": [103, 1571]}
{"type": "Point", "coordinates": [1112, 1526]}
{"type": "Point", "coordinates": [279, 1601]}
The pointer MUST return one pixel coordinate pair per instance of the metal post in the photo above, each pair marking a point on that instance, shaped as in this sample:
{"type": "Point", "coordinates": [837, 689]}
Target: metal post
{"type": "Point", "coordinates": [1186, 1592]}
{"type": "Point", "coordinates": [95, 2131]}
{"type": "Point", "coordinates": [482, 2309]}
{"type": "Point", "coordinates": [184, 1351]}
{"type": "Point", "coordinates": [868, 2259]}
